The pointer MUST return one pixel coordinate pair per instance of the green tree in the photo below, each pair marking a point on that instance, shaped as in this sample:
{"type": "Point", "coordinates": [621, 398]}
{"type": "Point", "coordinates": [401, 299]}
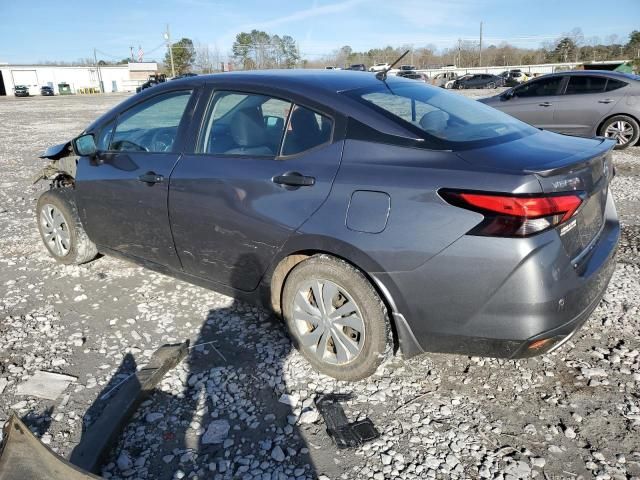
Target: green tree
{"type": "Point", "coordinates": [183, 56]}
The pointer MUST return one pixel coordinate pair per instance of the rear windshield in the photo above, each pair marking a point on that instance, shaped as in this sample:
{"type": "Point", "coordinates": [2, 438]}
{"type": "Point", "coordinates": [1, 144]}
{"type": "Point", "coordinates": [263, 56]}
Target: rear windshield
{"type": "Point", "coordinates": [448, 118]}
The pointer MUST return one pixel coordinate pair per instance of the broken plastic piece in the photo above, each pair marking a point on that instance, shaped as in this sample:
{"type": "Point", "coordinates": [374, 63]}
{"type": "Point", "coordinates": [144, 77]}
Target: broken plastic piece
{"type": "Point", "coordinates": [343, 433]}
{"type": "Point", "coordinates": [24, 457]}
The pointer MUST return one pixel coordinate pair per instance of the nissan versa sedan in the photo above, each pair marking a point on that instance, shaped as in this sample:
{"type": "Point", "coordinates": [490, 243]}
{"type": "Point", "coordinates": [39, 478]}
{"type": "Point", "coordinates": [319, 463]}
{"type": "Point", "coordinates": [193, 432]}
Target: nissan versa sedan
{"type": "Point", "coordinates": [374, 214]}
{"type": "Point", "coordinates": [584, 103]}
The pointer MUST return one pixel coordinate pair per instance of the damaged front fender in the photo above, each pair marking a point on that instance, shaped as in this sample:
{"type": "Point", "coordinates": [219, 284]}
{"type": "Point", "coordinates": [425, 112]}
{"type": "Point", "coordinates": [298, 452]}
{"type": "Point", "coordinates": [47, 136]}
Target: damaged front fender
{"type": "Point", "coordinates": [63, 164]}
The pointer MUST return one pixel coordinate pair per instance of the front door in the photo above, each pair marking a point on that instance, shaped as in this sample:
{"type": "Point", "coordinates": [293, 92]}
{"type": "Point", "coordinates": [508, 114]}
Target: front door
{"type": "Point", "coordinates": [534, 102]}
{"type": "Point", "coordinates": [123, 192]}
{"type": "Point", "coordinates": [261, 167]}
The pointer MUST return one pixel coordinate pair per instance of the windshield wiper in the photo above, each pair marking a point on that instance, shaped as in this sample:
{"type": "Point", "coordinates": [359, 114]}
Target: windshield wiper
{"type": "Point", "coordinates": [382, 75]}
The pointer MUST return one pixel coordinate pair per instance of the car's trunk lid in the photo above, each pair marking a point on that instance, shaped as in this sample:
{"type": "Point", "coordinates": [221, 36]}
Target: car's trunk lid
{"type": "Point", "coordinates": [561, 164]}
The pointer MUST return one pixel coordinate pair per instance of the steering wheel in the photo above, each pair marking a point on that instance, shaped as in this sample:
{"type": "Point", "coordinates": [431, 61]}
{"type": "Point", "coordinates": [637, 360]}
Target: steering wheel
{"type": "Point", "coordinates": [162, 141]}
{"type": "Point", "coordinates": [128, 146]}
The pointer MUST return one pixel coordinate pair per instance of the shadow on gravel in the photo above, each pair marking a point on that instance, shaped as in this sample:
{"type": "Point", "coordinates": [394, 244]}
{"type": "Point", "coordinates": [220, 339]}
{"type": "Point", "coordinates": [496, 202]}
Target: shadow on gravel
{"type": "Point", "coordinates": [226, 421]}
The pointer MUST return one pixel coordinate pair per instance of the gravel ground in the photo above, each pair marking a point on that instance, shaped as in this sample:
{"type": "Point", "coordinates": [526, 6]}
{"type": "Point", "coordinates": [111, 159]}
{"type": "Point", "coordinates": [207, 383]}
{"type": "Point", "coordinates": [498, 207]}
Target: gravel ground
{"type": "Point", "coordinates": [221, 413]}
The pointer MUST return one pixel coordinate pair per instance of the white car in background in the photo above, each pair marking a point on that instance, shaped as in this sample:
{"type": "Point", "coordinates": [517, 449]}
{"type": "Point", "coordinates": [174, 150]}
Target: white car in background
{"type": "Point", "coordinates": [379, 67]}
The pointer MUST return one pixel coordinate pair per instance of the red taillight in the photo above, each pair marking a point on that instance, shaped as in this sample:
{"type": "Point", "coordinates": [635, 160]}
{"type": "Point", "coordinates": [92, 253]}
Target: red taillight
{"type": "Point", "coordinates": [516, 215]}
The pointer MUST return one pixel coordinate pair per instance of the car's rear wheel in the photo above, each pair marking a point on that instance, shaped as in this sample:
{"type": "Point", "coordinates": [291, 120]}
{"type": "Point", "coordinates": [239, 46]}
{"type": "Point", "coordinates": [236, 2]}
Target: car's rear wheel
{"type": "Point", "coordinates": [61, 229]}
{"type": "Point", "coordinates": [336, 318]}
{"type": "Point", "coordinates": [625, 130]}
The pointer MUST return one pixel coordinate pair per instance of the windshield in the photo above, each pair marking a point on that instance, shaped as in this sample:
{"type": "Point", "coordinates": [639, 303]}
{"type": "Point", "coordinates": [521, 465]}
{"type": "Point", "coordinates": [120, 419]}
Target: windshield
{"type": "Point", "coordinates": [448, 117]}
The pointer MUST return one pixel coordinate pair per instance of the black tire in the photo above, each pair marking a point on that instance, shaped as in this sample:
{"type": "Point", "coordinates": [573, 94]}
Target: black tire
{"type": "Point", "coordinates": [628, 120]}
{"type": "Point", "coordinates": [79, 249]}
{"type": "Point", "coordinates": [460, 86]}
{"type": "Point", "coordinates": [376, 340]}
{"type": "Point", "coordinates": [492, 85]}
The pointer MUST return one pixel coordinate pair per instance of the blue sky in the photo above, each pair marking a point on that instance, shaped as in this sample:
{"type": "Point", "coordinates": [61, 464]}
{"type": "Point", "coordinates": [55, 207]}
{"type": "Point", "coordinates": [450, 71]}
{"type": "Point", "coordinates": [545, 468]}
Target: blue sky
{"type": "Point", "coordinates": [39, 30]}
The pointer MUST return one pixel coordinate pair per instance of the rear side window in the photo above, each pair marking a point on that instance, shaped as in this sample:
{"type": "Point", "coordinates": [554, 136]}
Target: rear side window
{"type": "Point", "coordinates": [244, 124]}
{"type": "Point", "coordinates": [151, 126]}
{"type": "Point", "coordinates": [448, 118]}
{"type": "Point", "coordinates": [306, 130]}
{"type": "Point", "coordinates": [615, 84]}
{"type": "Point", "coordinates": [539, 88]}
{"type": "Point", "coordinates": [255, 125]}
{"type": "Point", "coordinates": [585, 84]}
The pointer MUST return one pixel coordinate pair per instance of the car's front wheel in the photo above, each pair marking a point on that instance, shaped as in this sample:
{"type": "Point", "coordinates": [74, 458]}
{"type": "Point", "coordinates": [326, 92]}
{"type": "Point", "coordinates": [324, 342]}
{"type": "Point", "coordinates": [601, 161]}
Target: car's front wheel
{"type": "Point", "coordinates": [623, 129]}
{"type": "Point", "coordinates": [61, 229]}
{"type": "Point", "coordinates": [492, 85]}
{"type": "Point", "coordinates": [460, 86]}
{"type": "Point", "coordinates": [336, 318]}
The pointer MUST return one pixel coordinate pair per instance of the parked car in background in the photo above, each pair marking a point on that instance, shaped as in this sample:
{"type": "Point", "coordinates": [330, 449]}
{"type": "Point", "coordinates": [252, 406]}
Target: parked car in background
{"type": "Point", "coordinates": [585, 103]}
{"type": "Point", "coordinates": [479, 80]}
{"type": "Point", "coordinates": [21, 91]}
{"type": "Point", "coordinates": [514, 77]}
{"type": "Point", "coordinates": [154, 79]}
{"type": "Point", "coordinates": [413, 75]}
{"type": "Point", "coordinates": [332, 68]}
{"type": "Point", "coordinates": [47, 91]}
{"type": "Point", "coordinates": [360, 67]}
{"type": "Point", "coordinates": [379, 67]}
{"type": "Point", "coordinates": [407, 68]}
{"type": "Point", "coordinates": [358, 208]}
{"type": "Point", "coordinates": [444, 79]}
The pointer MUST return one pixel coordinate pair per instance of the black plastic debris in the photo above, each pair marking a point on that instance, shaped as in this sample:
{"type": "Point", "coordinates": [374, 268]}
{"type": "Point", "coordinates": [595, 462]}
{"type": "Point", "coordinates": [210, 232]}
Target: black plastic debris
{"type": "Point", "coordinates": [345, 434]}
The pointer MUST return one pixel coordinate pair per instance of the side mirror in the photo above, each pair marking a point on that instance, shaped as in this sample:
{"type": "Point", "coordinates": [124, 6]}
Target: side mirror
{"type": "Point", "coordinates": [85, 145]}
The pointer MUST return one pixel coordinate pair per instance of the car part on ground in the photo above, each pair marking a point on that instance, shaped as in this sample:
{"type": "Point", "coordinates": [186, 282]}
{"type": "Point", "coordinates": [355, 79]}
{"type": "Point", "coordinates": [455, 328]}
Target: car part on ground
{"type": "Point", "coordinates": [366, 160]}
{"type": "Point", "coordinates": [121, 403]}
{"type": "Point", "coordinates": [345, 434]}
{"type": "Point", "coordinates": [24, 457]}
{"type": "Point", "coordinates": [61, 229]}
{"type": "Point", "coordinates": [582, 103]}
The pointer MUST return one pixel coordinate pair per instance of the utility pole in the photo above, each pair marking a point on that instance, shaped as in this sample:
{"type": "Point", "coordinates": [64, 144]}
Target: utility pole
{"type": "Point", "coordinates": [167, 37]}
{"type": "Point", "coordinates": [95, 60]}
{"type": "Point", "coordinates": [480, 60]}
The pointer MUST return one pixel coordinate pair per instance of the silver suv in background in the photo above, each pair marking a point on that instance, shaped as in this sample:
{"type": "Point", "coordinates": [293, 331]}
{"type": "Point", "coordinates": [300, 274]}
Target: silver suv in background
{"type": "Point", "coordinates": [583, 103]}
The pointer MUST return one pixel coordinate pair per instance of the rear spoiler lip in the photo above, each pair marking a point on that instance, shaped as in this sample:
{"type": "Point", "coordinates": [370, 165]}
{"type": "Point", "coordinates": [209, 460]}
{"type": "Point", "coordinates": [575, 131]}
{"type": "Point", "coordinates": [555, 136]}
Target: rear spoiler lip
{"type": "Point", "coordinates": [55, 152]}
{"type": "Point", "coordinates": [567, 165]}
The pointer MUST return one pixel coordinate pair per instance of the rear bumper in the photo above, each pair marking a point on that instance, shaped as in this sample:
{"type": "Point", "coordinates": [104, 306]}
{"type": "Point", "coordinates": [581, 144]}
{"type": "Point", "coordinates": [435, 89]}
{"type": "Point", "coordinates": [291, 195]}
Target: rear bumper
{"type": "Point", "coordinates": [508, 298]}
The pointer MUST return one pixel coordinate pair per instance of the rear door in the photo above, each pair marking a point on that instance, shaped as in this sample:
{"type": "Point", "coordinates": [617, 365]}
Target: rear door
{"type": "Point", "coordinates": [534, 102]}
{"type": "Point", "coordinates": [122, 194]}
{"type": "Point", "coordinates": [261, 166]}
{"type": "Point", "coordinates": [584, 104]}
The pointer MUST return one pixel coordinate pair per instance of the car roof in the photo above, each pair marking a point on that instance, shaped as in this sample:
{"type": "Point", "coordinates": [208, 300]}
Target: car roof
{"type": "Point", "coordinates": [329, 81]}
{"type": "Point", "coordinates": [607, 73]}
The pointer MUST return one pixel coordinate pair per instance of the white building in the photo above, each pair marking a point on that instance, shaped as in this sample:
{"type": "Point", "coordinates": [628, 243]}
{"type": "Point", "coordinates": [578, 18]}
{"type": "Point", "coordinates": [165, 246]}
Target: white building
{"type": "Point", "coordinates": [114, 78]}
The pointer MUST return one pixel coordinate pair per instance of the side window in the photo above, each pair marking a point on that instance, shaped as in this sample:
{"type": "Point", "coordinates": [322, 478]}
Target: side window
{"type": "Point", "coordinates": [584, 84]}
{"type": "Point", "coordinates": [151, 126]}
{"type": "Point", "coordinates": [539, 88]}
{"type": "Point", "coordinates": [244, 124]}
{"type": "Point", "coordinates": [615, 84]}
{"type": "Point", "coordinates": [306, 129]}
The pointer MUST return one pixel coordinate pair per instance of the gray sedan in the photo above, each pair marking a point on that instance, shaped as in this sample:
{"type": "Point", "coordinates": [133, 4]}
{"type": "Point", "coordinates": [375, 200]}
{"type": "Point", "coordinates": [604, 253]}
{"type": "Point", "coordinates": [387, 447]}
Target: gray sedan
{"type": "Point", "coordinates": [584, 103]}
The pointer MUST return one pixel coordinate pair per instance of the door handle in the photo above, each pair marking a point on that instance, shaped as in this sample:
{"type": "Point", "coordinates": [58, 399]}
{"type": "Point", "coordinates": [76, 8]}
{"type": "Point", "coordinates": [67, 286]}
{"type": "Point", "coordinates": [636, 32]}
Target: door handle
{"type": "Point", "coordinates": [545, 104]}
{"type": "Point", "coordinates": [151, 178]}
{"type": "Point", "coordinates": [606, 100]}
{"type": "Point", "coordinates": [293, 179]}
